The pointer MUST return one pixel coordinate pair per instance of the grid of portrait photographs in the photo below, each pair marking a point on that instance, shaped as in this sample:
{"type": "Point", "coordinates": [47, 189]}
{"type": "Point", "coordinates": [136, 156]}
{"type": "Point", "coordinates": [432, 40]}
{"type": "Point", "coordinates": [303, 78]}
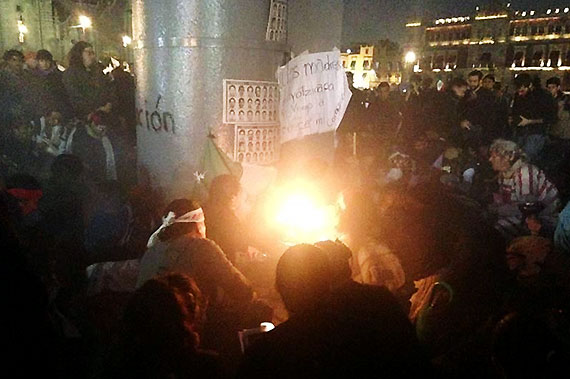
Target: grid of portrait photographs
{"type": "Point", "coordinates": [250, 102]}
{"type": "Point", "coordinates": [256, 144]}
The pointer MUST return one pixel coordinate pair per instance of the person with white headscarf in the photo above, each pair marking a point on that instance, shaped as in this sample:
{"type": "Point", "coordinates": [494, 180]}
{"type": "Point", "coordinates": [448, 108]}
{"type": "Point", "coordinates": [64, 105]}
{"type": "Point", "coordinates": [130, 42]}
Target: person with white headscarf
{"type": "Point", "coordinates": [180, 245]}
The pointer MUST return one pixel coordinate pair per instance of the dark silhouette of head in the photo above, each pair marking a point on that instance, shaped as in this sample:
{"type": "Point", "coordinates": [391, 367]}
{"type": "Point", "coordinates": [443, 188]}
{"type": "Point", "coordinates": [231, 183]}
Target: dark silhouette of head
{"type": "Point", "coordinates": [76, 54]}
{"type": "Point", "coordinates": [303, 277]}
{"type": "Point", "coordinates": [14, 60]}
{"type": "Point", "coordinates": [339, 261]}
{"type": "Point", "coordinates": [158, 327]}
{"type": "Point", "coordinates": [223, 190]}
{"type": "Point", "coordinates": [187, 288]}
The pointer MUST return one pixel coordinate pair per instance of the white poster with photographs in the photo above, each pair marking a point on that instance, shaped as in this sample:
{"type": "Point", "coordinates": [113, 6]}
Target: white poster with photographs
{"type": "Point", "coordinates": [249, 102]}
{"type": "Point", "coordinates": [256, 144]}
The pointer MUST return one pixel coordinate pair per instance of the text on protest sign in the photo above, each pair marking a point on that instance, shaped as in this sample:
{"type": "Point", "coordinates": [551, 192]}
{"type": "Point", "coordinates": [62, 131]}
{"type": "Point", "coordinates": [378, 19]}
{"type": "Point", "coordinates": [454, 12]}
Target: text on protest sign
{"type": "Point", "coordinates": [314, 94]}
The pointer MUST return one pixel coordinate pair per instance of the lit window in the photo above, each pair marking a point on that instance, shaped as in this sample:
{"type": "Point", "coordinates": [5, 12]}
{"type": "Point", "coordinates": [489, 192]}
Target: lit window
{"type": "Point", "coordinates": [518, 60]}
{"type": "Point", "coordinates": [553, 58]}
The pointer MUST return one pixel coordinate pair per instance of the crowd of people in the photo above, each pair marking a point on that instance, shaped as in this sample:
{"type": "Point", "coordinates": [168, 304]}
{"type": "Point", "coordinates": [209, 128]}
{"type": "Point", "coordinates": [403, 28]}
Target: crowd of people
{"type": "Point", "coordinates": [455, 260]}
{"type": "Point", "coordinates": [47, 112]}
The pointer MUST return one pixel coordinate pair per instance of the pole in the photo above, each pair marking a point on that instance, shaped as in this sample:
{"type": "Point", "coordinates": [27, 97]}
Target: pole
{"type": "Point", "coordinates": [183, 50]}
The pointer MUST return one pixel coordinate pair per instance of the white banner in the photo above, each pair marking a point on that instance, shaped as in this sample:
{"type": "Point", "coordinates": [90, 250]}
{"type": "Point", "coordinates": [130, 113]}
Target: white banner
{"type": "Point", "coordinates": [314, 94]}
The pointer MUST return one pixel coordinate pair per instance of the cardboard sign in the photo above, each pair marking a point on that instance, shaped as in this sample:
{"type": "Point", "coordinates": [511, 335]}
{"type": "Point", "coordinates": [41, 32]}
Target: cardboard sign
{"type": "Point", "coordinates": [314, 94]}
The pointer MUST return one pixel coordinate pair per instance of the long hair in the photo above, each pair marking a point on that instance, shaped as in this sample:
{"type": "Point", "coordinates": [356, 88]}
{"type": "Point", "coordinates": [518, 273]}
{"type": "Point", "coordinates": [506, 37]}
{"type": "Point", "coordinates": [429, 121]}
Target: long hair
{"type": "Point", "coordinates": [157, 334]}
{"type": "Point", "coordinates": [76, 54]}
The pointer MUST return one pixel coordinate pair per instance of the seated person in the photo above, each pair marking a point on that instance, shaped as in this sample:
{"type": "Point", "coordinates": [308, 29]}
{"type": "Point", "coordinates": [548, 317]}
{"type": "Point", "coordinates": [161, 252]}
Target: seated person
{"type": "Point", "coordinates": [159, 333]}
{"type": "Point", "coordinates": [351, 330]}
{"type": "Point", "coordinates": [223, 225]}
{"type": "Point", "coordinates": [520, 184]}
{"type": "Point", "coordinates": [179, 245]}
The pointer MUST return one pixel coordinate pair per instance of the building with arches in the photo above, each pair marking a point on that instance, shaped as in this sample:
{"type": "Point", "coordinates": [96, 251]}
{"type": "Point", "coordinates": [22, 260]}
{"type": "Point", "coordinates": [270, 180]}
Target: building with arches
{"type": "Point", "coordinates": [500, 40]}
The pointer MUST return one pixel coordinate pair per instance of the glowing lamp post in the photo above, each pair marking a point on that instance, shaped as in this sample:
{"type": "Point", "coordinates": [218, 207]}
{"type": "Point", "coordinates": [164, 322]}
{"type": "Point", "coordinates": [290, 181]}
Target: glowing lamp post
{"type": "Point", "coordinates": [127, 41]}
{"type": "Point", "coordinates": [410, 57]}
{"type": "Point", "coordinates": [22, 30]}
{"type": "Point", "coordinates": [84, 22]}
{"type": "Point", "coordinates": [411, 60]}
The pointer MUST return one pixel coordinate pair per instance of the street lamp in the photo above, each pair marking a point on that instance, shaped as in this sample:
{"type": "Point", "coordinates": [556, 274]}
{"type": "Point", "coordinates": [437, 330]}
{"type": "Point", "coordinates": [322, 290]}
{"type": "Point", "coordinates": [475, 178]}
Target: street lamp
{"type": "Point", "coordinates": [22, 30]}
{"type": "Point", "coordinates": [127, 40]}
{"type": "Point", "coordinates": [410, 57]}
{"type": "Point", "coordinates": [84, 22]}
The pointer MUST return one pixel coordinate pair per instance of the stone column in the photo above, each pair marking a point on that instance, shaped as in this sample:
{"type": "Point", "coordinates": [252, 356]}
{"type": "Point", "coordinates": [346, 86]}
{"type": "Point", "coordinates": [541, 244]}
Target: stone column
{"type": "Point", "coordinates": [183, 49]}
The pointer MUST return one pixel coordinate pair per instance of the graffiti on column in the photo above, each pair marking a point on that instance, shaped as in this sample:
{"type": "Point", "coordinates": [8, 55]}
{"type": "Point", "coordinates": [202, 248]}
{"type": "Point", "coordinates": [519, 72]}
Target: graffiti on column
{"type": "Point", "coordinates": [155, 119]}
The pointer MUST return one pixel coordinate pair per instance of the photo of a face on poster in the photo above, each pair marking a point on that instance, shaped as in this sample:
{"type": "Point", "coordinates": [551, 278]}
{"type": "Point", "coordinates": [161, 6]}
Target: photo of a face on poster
{"type": "Point", "coordinates": [249, 95]}
{"type": "Point", "coordinates": [255, 144]}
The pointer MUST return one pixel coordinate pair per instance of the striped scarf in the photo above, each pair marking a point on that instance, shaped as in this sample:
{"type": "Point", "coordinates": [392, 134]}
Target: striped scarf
{"type": "Point", "coordinates": [525, 182]}
{"type": "Point", "coordinates": [522, 183]}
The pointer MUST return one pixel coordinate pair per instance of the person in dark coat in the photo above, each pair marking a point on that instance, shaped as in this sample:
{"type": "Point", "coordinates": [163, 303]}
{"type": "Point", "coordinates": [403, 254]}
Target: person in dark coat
{"type": "Point", "coordinates": [18, 105]}
{"type": "Point", "coordinates": [92, 144]}
{"type": "Point", "coordinates": [451, 122]}
{"type": "Point", "coordinates": [481, 112]}
{"type": "Point", "coordinates": [53, 98]}
{"type": "Point", "coordinates": [87, 87]}
{"type": "Point", "coordinates": [385, 114]}
{"type": "Point", "coordinates": [348, 331]}
{"type": "Point", "coordinates": [222, 224]}
{"type": "Point", "coordinates": [532, 113]}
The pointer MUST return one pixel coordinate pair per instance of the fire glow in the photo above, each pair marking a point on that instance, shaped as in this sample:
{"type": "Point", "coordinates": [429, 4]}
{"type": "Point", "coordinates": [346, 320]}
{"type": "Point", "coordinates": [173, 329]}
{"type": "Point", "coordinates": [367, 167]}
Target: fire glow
{"type": "Point", "coordinates": [302, 215]}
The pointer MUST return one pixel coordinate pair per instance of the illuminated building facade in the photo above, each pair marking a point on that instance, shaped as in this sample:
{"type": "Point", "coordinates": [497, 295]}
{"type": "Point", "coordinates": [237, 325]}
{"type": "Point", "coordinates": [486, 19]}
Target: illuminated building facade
{"type": "Point", "coordinates": [28, 25]}
{"type": "Point", "coordinates": [501, 41]}
{"type": "Point", "coordinates": [372, 64]}
{"type": "Point", "coordinates": [55, 25]}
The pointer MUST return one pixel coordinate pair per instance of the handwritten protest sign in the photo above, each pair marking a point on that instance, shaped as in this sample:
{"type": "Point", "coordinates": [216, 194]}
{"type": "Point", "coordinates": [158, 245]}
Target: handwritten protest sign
{"type": "Point", "coordinates": [314, 94]}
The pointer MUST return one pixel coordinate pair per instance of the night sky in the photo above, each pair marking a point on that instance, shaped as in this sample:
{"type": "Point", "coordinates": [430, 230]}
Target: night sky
{"type": "Point", "coordinates": [371, 20]}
